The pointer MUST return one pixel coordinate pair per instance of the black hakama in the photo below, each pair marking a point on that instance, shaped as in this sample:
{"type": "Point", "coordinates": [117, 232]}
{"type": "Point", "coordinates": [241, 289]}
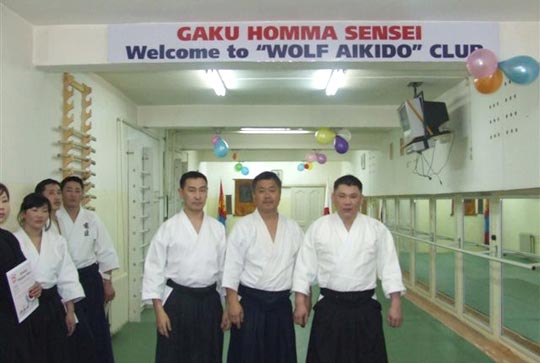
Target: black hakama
{"type": "Point", "coordinates": [267, 333]}
{"type": "Point", "coordinates": [49, 328]}
{"type": "Point", "coordinates": [16, 345]}
{"type": "Point", "coordinates": [195, 315]}
{"type": "Point", "coordinates": [347, 328]}
{"type": "Point", "coordinates": [91, 309]}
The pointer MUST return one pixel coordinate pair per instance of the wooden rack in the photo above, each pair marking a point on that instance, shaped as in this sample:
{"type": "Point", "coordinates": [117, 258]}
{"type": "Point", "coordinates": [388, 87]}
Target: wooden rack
{"type": "Point", "coordinates": [75, 136]}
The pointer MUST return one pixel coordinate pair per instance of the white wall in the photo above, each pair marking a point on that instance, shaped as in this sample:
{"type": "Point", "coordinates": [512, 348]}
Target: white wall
{"type": "Point", "coordinates": [30, 112]}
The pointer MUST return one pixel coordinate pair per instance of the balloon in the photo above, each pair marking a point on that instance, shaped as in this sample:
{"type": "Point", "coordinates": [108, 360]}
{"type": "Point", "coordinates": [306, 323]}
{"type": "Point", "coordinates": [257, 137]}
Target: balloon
{"type": "Point", "coordinates": [345, 133]}
{"type": "Point", "coordinates": [489, 84]}
{"type": "Point", "coordinates": [311, 157]}
{"type": "Point", "coordinates": [482, 63]}
{"type": "Point", "coordinates": [341, 145]}
{"type": "Point", "coordinates": [306, 166]}
{"type": "Point", "coordinates": [235, 156]}
{"type": "Point", "coordinates": [245, 170]}
{"type": "Point", "coordinates": [521, 69]}
{"type": "Point", "coordinates": [238, 166]}
{"type": "Point", "coordinates": [324, 135]}
{"type": "Point", "coordinates": [221, 148]}
{"type": "Point", "coordinates": [321, 158]}
{"type": "Point", "coordinates": [215, 139]}
{"type": "Point", "coordinates": [300, 167]}
{"type": "Point", "coordinates": [309, 166]}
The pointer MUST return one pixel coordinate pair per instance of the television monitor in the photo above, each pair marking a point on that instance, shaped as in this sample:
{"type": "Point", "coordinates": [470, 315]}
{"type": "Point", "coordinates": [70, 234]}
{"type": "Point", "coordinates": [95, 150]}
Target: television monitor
{"type": "Point", "coordinates": [420, 120]}
{"type": "Point", "coordinates": [435, 114]}
{"type": "Point", "coordinates": [411, 116]}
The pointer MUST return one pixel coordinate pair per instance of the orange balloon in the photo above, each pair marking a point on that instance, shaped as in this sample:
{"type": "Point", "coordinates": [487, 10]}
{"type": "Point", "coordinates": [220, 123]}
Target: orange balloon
{"type": "Point", "coordinates": [489, 84]}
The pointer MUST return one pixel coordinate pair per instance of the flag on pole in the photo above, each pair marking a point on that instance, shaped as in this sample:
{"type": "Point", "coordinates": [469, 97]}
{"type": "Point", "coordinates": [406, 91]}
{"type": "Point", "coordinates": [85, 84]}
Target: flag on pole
{"type": "Point", "coordinates": [327, 200]}
{"type": "Point", "coordinates": [222, 209]}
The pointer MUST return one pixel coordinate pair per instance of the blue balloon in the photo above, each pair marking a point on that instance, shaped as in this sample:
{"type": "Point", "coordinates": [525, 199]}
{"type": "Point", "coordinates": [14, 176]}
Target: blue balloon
{"type": "Point", "coordinates": [221, 148]}
{"type": "Point", "coordinates": [521, 69]}
{"type": "Point", "coordinates": [300, 167]}
{"type": "Point", "coordinates": [245, 170]}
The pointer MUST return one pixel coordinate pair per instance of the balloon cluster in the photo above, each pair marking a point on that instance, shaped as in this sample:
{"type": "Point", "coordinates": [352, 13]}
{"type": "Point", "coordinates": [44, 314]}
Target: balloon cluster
{"type": "Point", "coordinates": [341, 138]}
{"type": "Point", "coordinates": [482, 64]}
{"type": "Point", "coordinates": [241, 168]}
{"type": "Point", "coordinates": [221, 148]}
{"type": "Point", "coordinates": [310, 158]}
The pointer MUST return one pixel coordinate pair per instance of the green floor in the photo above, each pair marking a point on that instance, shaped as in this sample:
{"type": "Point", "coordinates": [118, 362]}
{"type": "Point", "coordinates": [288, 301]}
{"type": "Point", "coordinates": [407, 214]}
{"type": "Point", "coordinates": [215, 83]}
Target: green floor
{"type": "Point", "coordinates": [421, 339]}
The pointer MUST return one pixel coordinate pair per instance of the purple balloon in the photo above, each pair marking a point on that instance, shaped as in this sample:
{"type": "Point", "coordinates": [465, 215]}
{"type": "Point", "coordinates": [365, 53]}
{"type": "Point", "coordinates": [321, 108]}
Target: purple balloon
{"type": "Point", "coordinates": [482, 63]}
{"type": "Point", "coordinates": [341, 145]}
{"type": "Point", "coordinates": [321, 158]}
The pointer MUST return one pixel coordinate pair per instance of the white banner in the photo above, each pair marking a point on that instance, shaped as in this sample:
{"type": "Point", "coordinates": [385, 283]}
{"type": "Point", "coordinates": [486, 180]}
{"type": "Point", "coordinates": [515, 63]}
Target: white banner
{"type": "Point", "coordinates": [347, 41]}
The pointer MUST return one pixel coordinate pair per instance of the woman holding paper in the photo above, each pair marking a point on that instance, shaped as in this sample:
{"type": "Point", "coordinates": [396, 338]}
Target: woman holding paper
{"type": "Point", "coordinates": [53, 268]}
{"type": "Point", "coordinates": [15, 338]}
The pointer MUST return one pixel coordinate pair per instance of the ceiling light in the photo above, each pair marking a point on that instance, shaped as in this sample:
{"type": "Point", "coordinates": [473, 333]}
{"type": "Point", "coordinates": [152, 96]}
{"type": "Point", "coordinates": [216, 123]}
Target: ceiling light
{"type": "Point", "coordinates": [272, 130]}
{"type": "Point", "coordinates": [335, 81]}
{"type": "Point", "coordinates": [216, 82]}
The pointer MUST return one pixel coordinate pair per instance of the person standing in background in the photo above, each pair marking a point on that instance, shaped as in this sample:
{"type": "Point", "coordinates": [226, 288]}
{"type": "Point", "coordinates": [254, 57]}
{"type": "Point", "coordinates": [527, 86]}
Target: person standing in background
{"type": "Point", "coordinates": [51, 190]}
{"type": "Point", "coordinates": [183, 266]}
{"type": "Point", "coordinates": [81, 343]}
{"type": "Point", "coordinates": [94, 256]}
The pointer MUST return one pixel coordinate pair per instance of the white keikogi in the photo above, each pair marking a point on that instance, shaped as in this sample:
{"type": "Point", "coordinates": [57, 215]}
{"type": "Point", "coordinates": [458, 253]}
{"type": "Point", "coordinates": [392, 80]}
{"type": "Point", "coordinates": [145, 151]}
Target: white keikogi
{"type": "Point", "coordinates": [254, 260]}
{"type": "Point", "coordinates": [351, 260]}
{"type": "Point", "coordinates": [52, 265]}
{"type": "Point", "coordinates": [88, 240]}
{"type": "Point", "coordinates": [188, 258]}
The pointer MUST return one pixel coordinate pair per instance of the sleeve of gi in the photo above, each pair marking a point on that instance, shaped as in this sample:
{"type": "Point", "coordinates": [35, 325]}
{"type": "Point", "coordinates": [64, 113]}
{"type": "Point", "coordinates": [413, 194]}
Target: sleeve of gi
{"type": "Point", "coordinates": [237, 246]}
{"type": "Point", "coordinates": [305, 269]}
{"type": "Point", "coordinates": [154, 279]}
{"type": "Point", "coordinates": [105, 252]}
{"type": "Point", "coordinates": [68, 283]}
{"type": "Point", "coordinates": [388, 269]}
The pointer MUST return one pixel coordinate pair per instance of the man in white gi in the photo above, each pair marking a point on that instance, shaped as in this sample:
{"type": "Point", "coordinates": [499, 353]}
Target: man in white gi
{"type": "Point", "coordinates": [261, 251]}
{"type": "Point", "coordinates": [94, 256]}
{"type": "Point", "coordinates": [182, 268]}
{"type": "Point", "coordinates": [346, 252]}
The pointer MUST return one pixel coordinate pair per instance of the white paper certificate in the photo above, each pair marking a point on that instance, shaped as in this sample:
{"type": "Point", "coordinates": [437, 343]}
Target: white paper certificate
{"type": "Point", "coordinates": [21, 279]}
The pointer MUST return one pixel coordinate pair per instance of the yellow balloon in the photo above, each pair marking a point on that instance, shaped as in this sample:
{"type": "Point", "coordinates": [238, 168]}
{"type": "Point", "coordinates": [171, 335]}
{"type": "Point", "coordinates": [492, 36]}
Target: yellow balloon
{"type": "Point", "coordinates": [324, 135]}
{"type": "Point", "coordinates": [489, 84]}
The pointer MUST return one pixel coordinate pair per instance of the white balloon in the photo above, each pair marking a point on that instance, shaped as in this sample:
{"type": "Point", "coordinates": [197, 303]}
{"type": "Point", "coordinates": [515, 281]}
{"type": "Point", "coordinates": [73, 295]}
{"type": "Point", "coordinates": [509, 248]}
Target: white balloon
{"type": "Point", "coordinates": [345, 133]}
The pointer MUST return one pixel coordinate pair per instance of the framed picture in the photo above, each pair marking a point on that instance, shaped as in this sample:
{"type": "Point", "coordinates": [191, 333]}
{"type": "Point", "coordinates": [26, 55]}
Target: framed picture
{"type": "Point", "coordinates": [243, 197]}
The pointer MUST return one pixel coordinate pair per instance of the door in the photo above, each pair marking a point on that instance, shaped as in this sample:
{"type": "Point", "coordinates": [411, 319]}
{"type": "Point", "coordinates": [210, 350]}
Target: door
{"type": "Point", "coordinates": [307, 204]}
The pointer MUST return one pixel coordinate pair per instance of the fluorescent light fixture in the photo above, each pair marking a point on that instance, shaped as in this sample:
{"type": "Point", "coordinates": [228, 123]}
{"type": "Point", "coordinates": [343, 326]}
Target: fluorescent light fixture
{"type": "Point", "coordinates": [272, 130]}
{"type": "Point", "coordinates": [335, 81]}
{"type": "Point", "coordinates": [216, 82]}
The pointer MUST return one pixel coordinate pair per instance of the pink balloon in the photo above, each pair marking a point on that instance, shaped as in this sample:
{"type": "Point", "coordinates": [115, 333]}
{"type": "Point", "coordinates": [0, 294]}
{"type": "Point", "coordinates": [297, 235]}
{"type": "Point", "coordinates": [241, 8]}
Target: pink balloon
{"type": "Point", "coordinates": [311, 157]}
{"type": "Point", "coordinates": [215, 139]}
{"type": "Point", "coordinates": [482, 63]}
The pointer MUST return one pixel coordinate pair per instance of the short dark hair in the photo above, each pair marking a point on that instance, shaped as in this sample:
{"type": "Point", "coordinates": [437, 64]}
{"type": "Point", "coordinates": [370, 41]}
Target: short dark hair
{"type": "Point", "coordinates": [40, 187]}
{"type": "Point", "coordinates": [34, 200]}
{"type": "Point", "coordinates": [191, 175]}
{"type": "Point", "coordinates": [349, 180]}
{"type": "Point", "coordinates": [266, 175]}
{"type": "Point", "coordinates": [72, 178]}
{"type": "Point", "coordinates": [4, 189]}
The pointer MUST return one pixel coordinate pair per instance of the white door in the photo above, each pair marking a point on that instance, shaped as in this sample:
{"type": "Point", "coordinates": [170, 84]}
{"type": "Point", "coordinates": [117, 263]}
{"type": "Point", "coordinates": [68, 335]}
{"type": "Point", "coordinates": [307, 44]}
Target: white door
{"type": "Point", "coordinates": [307, 204]}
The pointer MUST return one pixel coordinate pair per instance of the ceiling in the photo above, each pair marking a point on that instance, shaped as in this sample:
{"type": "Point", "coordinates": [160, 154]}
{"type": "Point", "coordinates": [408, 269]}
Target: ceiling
{"type": "Point", "coordinates": [277, 83]}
